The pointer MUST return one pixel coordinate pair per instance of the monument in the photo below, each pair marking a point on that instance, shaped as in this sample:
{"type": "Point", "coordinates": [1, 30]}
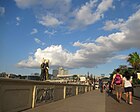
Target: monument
{"type": "Point", "coordinates": [44, 69]}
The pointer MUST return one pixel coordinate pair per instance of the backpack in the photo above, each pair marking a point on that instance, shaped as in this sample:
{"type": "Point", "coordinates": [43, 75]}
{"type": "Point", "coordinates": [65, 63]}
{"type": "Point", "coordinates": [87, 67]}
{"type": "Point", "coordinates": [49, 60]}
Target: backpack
{"type": "Point", "coordinates": [118, 79]}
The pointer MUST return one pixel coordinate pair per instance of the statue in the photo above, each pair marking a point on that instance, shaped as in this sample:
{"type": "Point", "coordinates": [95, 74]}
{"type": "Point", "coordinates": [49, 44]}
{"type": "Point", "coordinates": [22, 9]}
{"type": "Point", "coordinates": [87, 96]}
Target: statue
{"type": "Point", "coordinates": [47, 69]}
{"type": "Point", "coordinates": [44, 69]}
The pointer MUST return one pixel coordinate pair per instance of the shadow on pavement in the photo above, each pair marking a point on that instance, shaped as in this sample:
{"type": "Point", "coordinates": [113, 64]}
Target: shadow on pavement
{"type": "Point", "coordinates": [113, 95]}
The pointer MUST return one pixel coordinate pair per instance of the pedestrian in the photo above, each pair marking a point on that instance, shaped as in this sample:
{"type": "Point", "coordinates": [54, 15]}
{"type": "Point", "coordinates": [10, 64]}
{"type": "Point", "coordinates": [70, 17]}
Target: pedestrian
{"type": "Point", "coordinates": [101, 85]}
{"type": "Point", "coordinates": [117, 83]}
{"type": "Point", "coordinates": [110, 88]}
{"type": "Point", "coordinates": [127, 82]}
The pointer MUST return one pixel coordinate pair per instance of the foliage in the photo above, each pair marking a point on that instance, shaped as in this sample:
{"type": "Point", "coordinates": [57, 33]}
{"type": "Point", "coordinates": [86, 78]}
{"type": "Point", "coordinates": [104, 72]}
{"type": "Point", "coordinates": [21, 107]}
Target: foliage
{"type": "Point", "coordinates": [136, 81]}
{"type": "Point", "coordinates": [134, 60]}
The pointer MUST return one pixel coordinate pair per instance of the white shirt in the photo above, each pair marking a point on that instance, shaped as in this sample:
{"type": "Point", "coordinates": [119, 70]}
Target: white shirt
{"type": "Point", "coordinates": [127, 83]}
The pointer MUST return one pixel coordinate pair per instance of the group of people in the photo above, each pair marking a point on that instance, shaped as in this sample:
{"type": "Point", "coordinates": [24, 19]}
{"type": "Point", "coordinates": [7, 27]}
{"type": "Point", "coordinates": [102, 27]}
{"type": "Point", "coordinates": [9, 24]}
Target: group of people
{"type": "Point", "coordinates": [119, 83]}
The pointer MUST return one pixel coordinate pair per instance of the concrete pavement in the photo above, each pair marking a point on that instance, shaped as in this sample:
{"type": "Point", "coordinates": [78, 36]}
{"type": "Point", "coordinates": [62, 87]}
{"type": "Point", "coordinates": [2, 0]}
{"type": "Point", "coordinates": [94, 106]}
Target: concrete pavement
{"type": "Point", "coordinates": [93, 101]}
{"type": "Point", "coordinates": [113, 106]}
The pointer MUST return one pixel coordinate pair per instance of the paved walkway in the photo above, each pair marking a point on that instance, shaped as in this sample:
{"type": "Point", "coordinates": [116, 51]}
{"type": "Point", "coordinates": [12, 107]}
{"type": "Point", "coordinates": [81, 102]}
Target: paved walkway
{"type": "Point", "coordinates": [113, 106]}
{"type": "Point", "coordinates": [93, 101]}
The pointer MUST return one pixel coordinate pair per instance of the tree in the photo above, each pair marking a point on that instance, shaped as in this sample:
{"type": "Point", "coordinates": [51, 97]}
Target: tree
{"type": "Point", "coordinates": [134, 60]}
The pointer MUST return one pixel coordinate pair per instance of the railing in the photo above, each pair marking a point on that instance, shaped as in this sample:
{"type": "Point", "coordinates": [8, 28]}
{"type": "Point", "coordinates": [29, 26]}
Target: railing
{"type": "Point", "coordinates": [17, 95]}
{"type": "Point", "coordinates": [136, 90]}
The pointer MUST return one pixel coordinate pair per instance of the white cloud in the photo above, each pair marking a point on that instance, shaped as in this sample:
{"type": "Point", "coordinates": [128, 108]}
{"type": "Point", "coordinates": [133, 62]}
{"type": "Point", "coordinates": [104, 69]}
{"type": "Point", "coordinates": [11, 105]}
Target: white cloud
{"type": "Point", "coordinates": [26, 3]}
{"type": "Point", "coordinates": [30, 63]}
{"type": "Point", "coordinates": [91, 54]}
{"type": "Point", "coordinates": [34, 31]}
{"type": "Point", "coordinates": [59, 12]}
{"type": "Point", "coordinates": [2, 11]}
{"type": "Point", "coordinates": [130, 29]}
{"type": "Point", "coordinates": [122, 57]}
{"type": "Point", "coordinates": [49, 21]}
{"type": "Point", "coordinates": [56, 55]}
{"type": "Point", "coordinates": [48, 12]}
{"type": "Point", "coordinates": [87, 14]}
{"type": "Point", "coordinates": [104, 6]}
{"type": "Point", "coordinates": [133, 30]}
{"type": "Point", "coordinates": [50, 32]}
{"type": "Point", "coordinates": [61, 5]}
{"type": "Point", "coordinates": [110, 25]}
{"type": "Point", "coordinates": [18, 20]}
{"type": "Point", "coordinates": [39, 41]}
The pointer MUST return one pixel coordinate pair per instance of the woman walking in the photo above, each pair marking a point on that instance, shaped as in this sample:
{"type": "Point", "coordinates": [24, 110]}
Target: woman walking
{"type": "Point", "coordinates": [127, 81]}
{"type": "Point", "coordinates": [117, 83]}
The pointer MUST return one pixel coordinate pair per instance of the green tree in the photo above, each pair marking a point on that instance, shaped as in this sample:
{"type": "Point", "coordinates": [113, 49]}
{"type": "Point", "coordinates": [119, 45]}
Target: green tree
{"type": "Point", "coordinates": [134, 61]}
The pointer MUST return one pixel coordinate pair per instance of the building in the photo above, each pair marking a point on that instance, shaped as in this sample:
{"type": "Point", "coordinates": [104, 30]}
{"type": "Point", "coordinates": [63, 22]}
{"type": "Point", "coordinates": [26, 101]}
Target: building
{"type": "Point", "coordinates": [55, 73]}
{"type": "Point", "coordinates": [62, 71]}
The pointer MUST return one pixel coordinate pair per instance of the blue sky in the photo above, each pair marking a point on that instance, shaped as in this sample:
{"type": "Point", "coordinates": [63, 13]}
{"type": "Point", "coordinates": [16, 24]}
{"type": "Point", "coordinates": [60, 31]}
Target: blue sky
{"type": "Point", "coordinates": [94, 36]}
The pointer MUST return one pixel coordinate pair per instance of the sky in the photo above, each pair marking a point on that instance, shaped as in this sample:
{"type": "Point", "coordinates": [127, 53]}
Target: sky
{"type": "Point", "coordinates": [94, 36]}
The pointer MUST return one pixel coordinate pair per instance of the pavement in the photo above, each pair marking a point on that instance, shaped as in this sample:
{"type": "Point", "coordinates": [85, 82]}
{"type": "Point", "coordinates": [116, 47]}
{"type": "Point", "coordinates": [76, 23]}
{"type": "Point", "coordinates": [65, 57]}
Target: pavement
{"type": "Point", "coordinates": [93, 101]}
{"type": "Point", "coordinates": [113, 106]}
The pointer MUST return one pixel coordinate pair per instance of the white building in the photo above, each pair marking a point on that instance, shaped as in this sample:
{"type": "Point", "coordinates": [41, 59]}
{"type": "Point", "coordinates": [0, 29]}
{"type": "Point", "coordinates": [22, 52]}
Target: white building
{"type": "Point", "coordinates": [62, 71]}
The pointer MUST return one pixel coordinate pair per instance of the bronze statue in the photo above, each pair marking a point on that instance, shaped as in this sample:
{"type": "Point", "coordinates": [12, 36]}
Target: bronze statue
{"type": "Point", "coordinates": [44, 69]}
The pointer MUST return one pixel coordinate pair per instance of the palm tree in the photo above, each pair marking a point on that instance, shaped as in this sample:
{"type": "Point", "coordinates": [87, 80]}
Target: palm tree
{"type": "Point", "coordinates": [134, 60]}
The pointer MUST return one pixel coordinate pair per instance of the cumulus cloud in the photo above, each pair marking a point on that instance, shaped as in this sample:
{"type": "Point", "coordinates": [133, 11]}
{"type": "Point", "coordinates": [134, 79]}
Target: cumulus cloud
{"type": "Point", "coordinates": [39, 41]}
{"type": "Point", "coordinates": [87, 15]}
{"type": "Point", "coordinates": [2, 11]}
{"type": "Point", "coordinates": [104, 5]}
{"type": "Point", "coordinates": [122, 57]}
{"type": "Point", "coordinates": [58, 12]}
{"type": "Point", "coordinates": [34, 31]}
{"type": "Point", "coordinates": [110, 25]}
{"type": "Point", "coordinates": [30, 63]}
{"type": "Point", "coordinates": [91, 54]}
{"type": "Point", "coordinates": [48, 12]}
{"type": "Point", "coordinates": [133, 30]}
{"type": "Point", "coordinates": [56, 55]}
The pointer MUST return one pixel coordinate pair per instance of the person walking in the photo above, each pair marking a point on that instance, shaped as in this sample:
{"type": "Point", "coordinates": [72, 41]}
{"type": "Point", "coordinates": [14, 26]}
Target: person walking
{"type": "Point", "coordinates": [127, 82]}
{"type": "Point", "coordinates": [101, 85]}
{"type": "Point", "coordinates": [110, 88]}
{"type": "Point", "coordinates": [117, 83]}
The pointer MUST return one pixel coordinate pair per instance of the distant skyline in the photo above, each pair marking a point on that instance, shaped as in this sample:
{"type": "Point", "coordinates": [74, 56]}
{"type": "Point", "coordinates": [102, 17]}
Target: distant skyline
{"type": "Point", "coordinates": [94, 36]}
